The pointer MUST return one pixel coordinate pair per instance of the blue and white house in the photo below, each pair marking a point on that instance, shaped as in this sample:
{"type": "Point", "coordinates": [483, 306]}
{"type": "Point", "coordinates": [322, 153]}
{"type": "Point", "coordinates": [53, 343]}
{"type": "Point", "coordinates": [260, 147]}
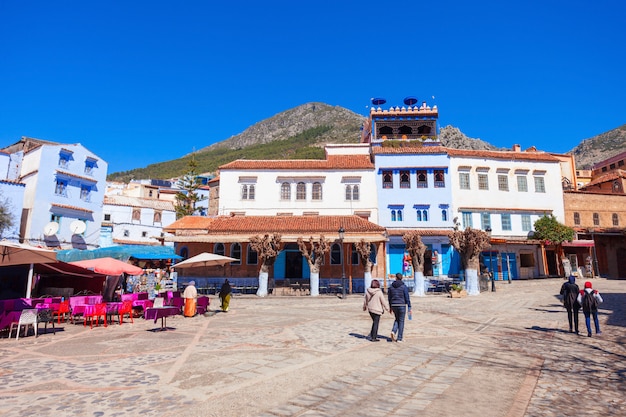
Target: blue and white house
{"type": "Point", "coordinates": [64, 190]}
{"type": "Point", "coordinates": [11, 195]}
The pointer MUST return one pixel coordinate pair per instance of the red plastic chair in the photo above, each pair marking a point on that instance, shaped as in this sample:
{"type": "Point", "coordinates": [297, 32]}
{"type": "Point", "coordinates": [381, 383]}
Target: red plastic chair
{"type": "Point", "coordinates": [99, 310]}
{"type": "Point", "coordinates": [64, 310]}
{"type": "Point", "coordinates": [126, 308]}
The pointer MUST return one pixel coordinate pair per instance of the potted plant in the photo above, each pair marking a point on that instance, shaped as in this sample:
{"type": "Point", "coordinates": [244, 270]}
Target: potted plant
{"type": "Point", "coordinates": [457, 291]}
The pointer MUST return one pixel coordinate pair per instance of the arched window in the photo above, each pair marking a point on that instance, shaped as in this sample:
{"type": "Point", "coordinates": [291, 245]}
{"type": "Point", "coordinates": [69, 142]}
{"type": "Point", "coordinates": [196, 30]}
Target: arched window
{"type": "Point", "coordinates": [355, 192]}
{"type": "Point", "coordinates": [253, 257]}
{"type": "Point", "coordinates": [184, 253]}
{"type": "Point", "coordinates": [444, 215]}
{"type": "Point", "coordinates": [354, 256]}
{"type": "Point", "coordinates": [373, 253]}
{"type": "Point", "coordinates": [399, 215]}
{"type": "Point", "coordinates": [316, 192]}
{"type": "Point", "coordinates": [393, 215]}
{"type": "Point", "coordinates": [301, 191]}
{"type": "Point", "coordinates": [157, 217]}
{"type": "Point", "coordinates": [335, 254]}
{"type": "Point", "coordinates": [235, 252]}
{"type": "Point", "coordinates": [285, 191]}
{"type": "Point", "coordinates": [419, 216]}
{"type": "Point", "coordinates": [137, 214]}
{"type": "Point", "coordinates": [218, 249]}
{"type": "Point", "coordinates": [425, 215]}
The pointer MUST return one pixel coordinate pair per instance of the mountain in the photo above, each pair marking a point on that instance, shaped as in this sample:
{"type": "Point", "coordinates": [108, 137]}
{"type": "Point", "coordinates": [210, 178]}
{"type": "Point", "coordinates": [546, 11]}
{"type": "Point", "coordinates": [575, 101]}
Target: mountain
{"type": "Point", "coordinates": [599, 148]}
{"type": "Point", "coordinates": [302, 132]}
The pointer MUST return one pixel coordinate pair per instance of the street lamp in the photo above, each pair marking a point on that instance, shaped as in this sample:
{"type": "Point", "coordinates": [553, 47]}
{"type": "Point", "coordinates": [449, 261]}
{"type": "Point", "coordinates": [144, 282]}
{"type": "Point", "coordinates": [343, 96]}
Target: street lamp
{"type": "Point", "coordinates": [342, 233]}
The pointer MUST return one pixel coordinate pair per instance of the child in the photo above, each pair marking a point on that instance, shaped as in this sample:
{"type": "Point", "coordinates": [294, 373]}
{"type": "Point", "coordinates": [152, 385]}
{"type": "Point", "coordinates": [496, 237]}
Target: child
{"type": "Point", "coordinates": [589, 299]}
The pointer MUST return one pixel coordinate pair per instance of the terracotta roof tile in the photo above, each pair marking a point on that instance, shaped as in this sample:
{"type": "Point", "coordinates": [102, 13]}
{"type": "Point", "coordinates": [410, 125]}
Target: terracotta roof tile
{"type": "Point", "coordinates": [67, 206]}
{"type": "Point", "coordinates": [470, 153]}
{"type": "Point", "coordinates": [331, 162]}
{"type": "Point", "coordinates": [123, 200]}
{"type": "Point", "coordinates": [293, 224]}
{"type": "Point", "coordinates": [190, 223]}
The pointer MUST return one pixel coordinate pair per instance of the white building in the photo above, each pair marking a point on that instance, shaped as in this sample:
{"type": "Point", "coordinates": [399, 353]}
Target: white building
{"type": "Point", "coordinates": [504, 193]}
{"type": "Point", "coordinates": [341, 184]}
{"type": "Point", "coordinates": [64, 189]}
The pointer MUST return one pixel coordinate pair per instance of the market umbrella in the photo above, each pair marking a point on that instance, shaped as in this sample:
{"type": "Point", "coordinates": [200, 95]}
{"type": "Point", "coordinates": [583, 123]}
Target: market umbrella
{"type": "Point", "coordinates": [12, 253]}
{"type": "Point", "coordinates": [205, 259]}
{"type": "Point", "coordinates": [109, 266]}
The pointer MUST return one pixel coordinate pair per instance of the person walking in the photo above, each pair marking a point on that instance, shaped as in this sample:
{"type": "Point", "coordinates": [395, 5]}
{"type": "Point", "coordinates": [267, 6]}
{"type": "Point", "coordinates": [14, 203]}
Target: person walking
{"type": "Point", "coordinates": [399, 300]}
{"type": "Point", "coordinates": [589, 300]}
{"type": "Point", "coordinates": [376, 304]}
{"type": "Point", "coordinates": [225, 294]}
{"type": "Point", "coordinates": [191, 296]}
{"type": "Point", "coordinates": [570, 291]}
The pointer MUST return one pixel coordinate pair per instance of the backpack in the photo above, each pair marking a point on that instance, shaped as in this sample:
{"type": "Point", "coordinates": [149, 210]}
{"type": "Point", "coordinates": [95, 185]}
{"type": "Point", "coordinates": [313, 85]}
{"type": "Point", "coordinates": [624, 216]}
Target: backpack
{"type": "Point", "coordinates": [590, 303]}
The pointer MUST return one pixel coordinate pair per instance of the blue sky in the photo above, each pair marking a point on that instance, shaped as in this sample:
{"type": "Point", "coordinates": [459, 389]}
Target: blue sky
{"type": "Point", "coordinates": [140, 82]}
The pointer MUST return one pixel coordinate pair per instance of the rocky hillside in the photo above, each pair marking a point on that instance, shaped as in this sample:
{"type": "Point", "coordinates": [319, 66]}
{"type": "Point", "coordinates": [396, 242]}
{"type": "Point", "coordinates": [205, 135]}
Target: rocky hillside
{"type": "Point", "coordinates": [345, 124]}
{"type": "Point", "coordinates": [302, 131]}
{"type": "Point", "coordinates": [599, 148]}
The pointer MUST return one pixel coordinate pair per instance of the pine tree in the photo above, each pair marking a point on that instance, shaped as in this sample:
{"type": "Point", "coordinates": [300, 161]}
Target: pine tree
{"type": "Point", "coordinates": [188, 197]}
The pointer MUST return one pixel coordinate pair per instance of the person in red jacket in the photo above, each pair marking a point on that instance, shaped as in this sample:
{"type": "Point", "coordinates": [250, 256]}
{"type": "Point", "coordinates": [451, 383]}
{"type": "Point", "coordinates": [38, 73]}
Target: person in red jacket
{"type": "Point", "coordinates": [589, 300]}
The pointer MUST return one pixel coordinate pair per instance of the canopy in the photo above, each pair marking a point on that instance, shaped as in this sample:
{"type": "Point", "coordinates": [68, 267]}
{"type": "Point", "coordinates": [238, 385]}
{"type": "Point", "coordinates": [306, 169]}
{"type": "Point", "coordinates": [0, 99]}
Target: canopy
{"type": "Point", "coordinates": [12, 253]}
{"type": "Point", "coordinates": [121, 252]}
{"type": "Point", "coordinates": [205, 259]}
{"type": "Point", "coordinates": [109, 266]}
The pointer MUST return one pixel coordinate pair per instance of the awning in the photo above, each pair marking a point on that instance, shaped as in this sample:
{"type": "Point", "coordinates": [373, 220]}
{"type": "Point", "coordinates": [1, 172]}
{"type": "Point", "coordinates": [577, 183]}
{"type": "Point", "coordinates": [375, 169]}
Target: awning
{"type": "Point", "coordinates": [579, 244]}
{"type": "Point", "coordinates": [121, 253]}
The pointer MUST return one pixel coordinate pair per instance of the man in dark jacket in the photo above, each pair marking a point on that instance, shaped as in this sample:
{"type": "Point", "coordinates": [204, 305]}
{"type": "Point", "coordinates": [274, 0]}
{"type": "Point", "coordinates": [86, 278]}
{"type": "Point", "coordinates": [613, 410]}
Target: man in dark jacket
{"type": "Point", "coordinates": [569, 291]}
{"type": "Point", "coordinates": [399, 300]}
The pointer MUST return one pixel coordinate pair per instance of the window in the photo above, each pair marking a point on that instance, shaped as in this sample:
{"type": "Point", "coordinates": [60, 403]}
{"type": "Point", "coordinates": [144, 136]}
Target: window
{"type": "Point", "coordinates": [136, 214]}
{"type": "Point", "coordinates": [64, 160]}
{"type": "Point", "coordinates": [526, 260]}
{"type": "Point", "coordinates": [352, 192]}
{"type": "Point", "coordinates": [301, 191]}
{"type": "Point", "coordinates": [285, 191]}
{"type": "Point", "coordinates": [483, 182]}
{"type": "Point", "coordinates": [89, 166]}
{"type": "Point", "coordinates": [596, 219]}
{"type": "Point", "coordinates": [485, 221]}
{"type": "Point", "coordinates": [405, 179]}
{"type": "Point", "coordinates": [425, 215]}
{"type": "Point", "coordinates": [393, 215]}
{"type": "Point", "coordinates": [85, 193]}
{"type": "Point", "coordinates": [444, 215]}
{"type": "Point", "coordinates": [522, 184]}
{"type": "Point", "coordinates": [235, 252]}
{"type": "Point", "coordinates": [335, 254]}
{"type": "Point", "coordinates": [540, 186]}
{"type": "Point", "coordinates": [577, 218]}
{"type": "Point", "coordinates": [467, 219]}
{"type": "Point", "coordinates": [422, 179]}
{"type": "Point", "coordinates": [218, 249]}
{"type": "Point", "coordinates": [464, 180]}
{"type": "Point", "coordinates": [439, 178]}
{"type": "Point", "coordinates": [387, 179]}
{"type": "Point", "coordinates": [126, 233]}
{"type": "Point", "coordinates": [354, 256]}
{"type": "Point", "coordinates": [150, 193]}
{"type": "Point", "coordinates": [316, 192]}
{"type": "Point", "coordinates": [247, 191]}
{"type": "Point", "coordinates": [503, 183]}
{"type": "Point", "coordinates": [526, 225]}
{"type": "Point", "coordinates": [615, 218]}
{"type": "Point", "coordinates": [61, 188]}
{"type": "Point", "coordinates": [399, 215]}
{"type": "Point", "coordinates": [144, 234]}
{"type": "Point", "coordinates": [253, 257]}
{"type": "Point", "coordinates": [107, 217]}
{"type": "Point", "coordinates": [157, 217]}
{"type": "Point", "coordinates": [506, 221]}
{"type": "Point", "coordinates": [418, 215]}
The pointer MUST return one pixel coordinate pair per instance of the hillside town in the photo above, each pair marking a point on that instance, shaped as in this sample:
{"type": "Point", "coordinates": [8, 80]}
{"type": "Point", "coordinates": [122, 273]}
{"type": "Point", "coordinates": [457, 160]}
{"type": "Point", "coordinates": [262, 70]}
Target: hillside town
{"type": "Point", "coordinates": [398, 179]}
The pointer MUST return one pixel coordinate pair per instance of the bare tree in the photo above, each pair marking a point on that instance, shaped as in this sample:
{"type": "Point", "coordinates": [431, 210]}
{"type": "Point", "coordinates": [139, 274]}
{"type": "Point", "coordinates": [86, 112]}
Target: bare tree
{"type": "Point", "coordinates": [267, 248]}
{"type": "Point", "coordinates": [416, 249]}
{"type": "Point", "coordinates": [470, 243]}
{"type": "Point", "coordinates": [314, 251]}
{"type": "Point", "coordinates": [364, 250]}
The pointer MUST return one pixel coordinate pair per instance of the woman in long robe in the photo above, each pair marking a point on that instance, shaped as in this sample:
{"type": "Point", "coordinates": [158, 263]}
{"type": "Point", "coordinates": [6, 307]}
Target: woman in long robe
{"type": "Point", "coordinates": [225, 294]}
{"type": "Point", "coordinates": [191, 296]}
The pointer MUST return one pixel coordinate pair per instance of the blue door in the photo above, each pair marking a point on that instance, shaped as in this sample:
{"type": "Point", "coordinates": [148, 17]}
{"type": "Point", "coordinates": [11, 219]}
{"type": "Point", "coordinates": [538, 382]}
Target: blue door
{"type": "Point", "coordinates": [396, 256]}
{"type": "Point", "coordinates": [509, 266]}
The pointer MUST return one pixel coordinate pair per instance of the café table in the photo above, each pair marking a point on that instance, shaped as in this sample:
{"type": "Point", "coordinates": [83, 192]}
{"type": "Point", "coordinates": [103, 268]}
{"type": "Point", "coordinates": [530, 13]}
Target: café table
{"type": "Point", "coordinates": [155, 313]}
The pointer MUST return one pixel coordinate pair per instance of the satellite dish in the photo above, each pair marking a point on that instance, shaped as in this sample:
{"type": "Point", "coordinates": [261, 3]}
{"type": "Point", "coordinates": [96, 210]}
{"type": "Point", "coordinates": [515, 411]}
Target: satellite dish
{"type": "Point", "coordinates": [77, 227]}
{"type": "Point", "coordinates": [51, 228]}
